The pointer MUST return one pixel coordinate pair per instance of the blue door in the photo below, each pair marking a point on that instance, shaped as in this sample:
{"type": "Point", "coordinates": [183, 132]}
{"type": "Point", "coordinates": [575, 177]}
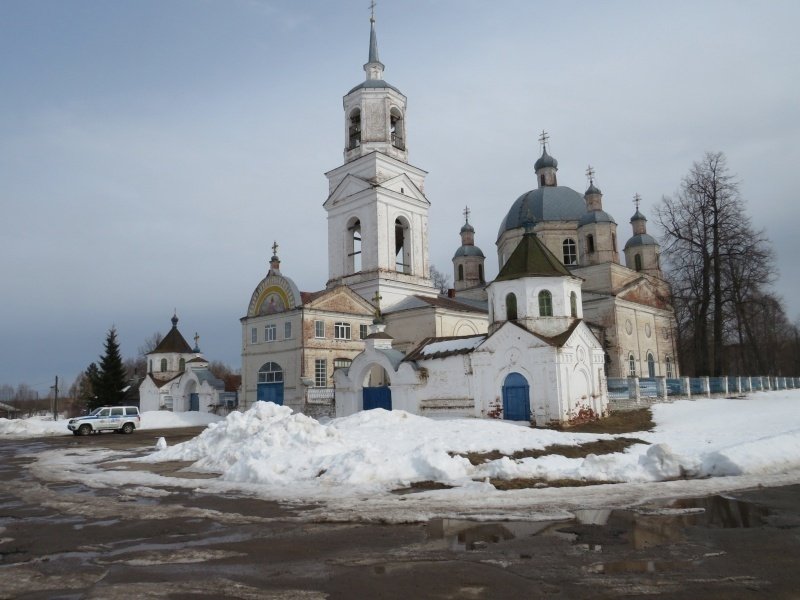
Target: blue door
{"type": "Point", "coordinates": [377, 397]}
{"type": "Point", "coordinates": [194, 402]}
{"type": "Point", "coordinates": [270, 392]}
{"type": "Point", "coordinates": [516, 398]}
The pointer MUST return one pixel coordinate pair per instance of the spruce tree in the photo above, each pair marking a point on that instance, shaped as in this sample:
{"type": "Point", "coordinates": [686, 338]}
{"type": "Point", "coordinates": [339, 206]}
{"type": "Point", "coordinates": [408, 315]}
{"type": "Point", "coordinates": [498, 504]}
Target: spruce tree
{"type": "Point", "coordinates": [88, 385]}
{"type": "Point", "coordinates": [111, 378]}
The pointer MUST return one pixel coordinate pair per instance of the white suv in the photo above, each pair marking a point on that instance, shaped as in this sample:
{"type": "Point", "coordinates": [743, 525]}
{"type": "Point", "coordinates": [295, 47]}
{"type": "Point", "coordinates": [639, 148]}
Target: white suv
{"type": "Point", "coordinates": [120, 419]}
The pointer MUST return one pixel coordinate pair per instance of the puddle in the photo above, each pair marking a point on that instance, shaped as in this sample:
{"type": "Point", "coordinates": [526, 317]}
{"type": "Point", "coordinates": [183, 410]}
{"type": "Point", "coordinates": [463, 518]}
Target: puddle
{"type": "Point", "coordinates": [591, 530]}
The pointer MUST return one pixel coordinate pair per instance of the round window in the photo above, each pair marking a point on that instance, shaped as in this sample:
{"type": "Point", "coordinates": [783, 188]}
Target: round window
{"type": "Point", "coordinates": [647, 330]}
{"type": "Point", "coordinates": [628, 327]}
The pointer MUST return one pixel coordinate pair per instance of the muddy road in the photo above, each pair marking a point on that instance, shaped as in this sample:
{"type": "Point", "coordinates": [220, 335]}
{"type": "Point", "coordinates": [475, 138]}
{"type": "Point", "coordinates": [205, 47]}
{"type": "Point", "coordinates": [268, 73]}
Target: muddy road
{"type": "Point", "coordinates": [65, 540]}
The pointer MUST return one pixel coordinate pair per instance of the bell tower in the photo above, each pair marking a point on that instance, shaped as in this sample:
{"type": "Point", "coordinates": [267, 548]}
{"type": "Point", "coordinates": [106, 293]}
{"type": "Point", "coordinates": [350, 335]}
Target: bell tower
{"type": "Point", "coordinates": [377, 209]}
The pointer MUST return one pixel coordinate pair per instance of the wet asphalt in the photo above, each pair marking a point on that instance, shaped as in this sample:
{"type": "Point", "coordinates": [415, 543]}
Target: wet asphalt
{"type": "Point", "coordinates": [68, 541]}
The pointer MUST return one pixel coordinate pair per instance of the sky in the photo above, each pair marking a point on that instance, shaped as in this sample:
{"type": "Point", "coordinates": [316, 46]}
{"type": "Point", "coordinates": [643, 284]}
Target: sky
{"type": "Point", "coordinates": [151, 151]}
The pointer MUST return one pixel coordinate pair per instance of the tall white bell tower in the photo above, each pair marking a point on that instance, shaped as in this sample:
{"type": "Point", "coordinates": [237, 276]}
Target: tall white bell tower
{"type": "Point", "coordinates": [377, 209]}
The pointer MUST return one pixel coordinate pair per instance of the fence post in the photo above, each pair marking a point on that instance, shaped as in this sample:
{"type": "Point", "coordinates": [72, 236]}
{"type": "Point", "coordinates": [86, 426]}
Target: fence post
{"type": "Point", "coordinates": [686, 387]}
{"type": "Point", "coordinates": [661, 388]}
{"type": "Point", "coordinates": [633, 389]}
{"type": "Point", "coordinates": [706, 385]}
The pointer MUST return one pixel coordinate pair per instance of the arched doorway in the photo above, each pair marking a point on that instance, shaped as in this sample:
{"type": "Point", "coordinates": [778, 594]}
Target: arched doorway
{"type": "Point", "coordinates": [270, 383]}
{"type": "Point", "coordinates": [516, 398]}
{"type": "Point", "coordinates": [193, 396]}
{"type": "Point", "coordinates": [376, 392]}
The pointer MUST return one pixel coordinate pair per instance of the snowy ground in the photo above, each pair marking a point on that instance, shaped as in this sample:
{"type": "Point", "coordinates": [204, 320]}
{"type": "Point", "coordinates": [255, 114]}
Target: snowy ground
{"type": "Point", "coordinates": [44, 426]}
{"type": "Point", "coordinates": [349, 466]}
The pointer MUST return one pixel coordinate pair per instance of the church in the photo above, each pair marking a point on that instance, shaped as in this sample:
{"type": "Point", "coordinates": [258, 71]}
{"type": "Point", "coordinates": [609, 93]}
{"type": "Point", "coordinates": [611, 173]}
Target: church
{"type": "Point", "coordinates": [536, 344]}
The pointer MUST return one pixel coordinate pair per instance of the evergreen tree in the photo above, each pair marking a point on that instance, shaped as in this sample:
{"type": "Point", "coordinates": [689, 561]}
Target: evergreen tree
{"type": "Point", "coordinates": [87, 384]}
{"type": "Point", "coordinates": [111, 377]}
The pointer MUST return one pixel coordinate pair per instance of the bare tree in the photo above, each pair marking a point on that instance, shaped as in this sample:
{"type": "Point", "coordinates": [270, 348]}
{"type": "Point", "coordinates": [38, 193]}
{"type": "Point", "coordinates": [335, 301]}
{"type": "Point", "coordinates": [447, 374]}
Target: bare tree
{"type": "Point", "coordinates": [716, 264]}
{"type": "Point", "coordinates": [150, 343]}
{"type": "Point", "coordinates": [440, 280]}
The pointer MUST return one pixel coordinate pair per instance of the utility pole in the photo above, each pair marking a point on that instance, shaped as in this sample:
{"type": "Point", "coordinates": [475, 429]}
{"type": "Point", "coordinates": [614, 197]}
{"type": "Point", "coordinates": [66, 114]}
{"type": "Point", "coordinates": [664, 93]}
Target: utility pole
{"type": "Point", "coordinates": [55, 400]}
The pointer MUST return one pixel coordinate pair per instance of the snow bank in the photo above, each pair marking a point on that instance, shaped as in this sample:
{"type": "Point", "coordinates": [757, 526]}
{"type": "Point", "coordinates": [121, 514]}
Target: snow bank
{"type": "Point", "coordinates": [296, 455]}
{"type": "Point", "coordinates": [164, 419]}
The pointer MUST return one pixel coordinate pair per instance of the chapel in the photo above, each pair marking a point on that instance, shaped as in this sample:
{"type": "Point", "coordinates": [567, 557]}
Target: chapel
{"type": "Point", "coordinates": [537, 343]}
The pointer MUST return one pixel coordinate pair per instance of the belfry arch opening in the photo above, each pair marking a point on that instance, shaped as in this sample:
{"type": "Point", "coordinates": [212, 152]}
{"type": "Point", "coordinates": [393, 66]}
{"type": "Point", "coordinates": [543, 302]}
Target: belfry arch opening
{"type": "Point", "coordinates": [354, 129]}
{"type": "Point", "coordinates": [396, 128]}
{"type": "Point", "coordinates": [402, 246]}
{"type": "Point", "coordinates": [353, 246]}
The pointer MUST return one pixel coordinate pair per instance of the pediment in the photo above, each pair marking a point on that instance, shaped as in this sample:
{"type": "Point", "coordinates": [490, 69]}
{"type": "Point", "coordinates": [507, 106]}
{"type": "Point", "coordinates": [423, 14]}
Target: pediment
{"type": "Point", "coordinates": [343, 300]}
{"type": "Point", "coordinates": [643, 291]}
{"type": "Point", "coordinates": [510, 335]}
{"type": "Point", "coordinates": [402, 184]}
{"type": "Point", "coordinates": [348, 187]}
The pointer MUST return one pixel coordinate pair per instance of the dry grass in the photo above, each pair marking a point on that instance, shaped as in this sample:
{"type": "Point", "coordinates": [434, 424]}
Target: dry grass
{"type": "Point", "coordinates": [626, 421]}
{"type": "Point", "coordinates": [524, 484]}
{"type": "Point", "coordinates": [579, 451]}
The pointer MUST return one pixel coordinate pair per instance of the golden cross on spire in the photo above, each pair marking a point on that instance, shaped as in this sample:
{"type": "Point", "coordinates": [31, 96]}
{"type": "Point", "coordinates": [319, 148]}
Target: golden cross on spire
{"type": "Point", "coordinates": [275, 248]}
{"type": "Point", "coordinates": [590, 174]}
{"type": "Point", "coordinates": [543, 138]}
{"type": "Point", "coordinates": [636, 200]}
{"type": "Point", "coordinates": [466, 214]}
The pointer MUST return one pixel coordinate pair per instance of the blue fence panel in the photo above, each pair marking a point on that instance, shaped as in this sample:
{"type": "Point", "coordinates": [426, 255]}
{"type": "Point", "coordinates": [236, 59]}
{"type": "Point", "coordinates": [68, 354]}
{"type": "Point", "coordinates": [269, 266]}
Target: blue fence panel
{"type": "Point", "coordinates": [674, 387]}
{"type": "Point", "coordinates": [717, 385]}
{"type": "Point", "coordinates": [648, 387]}
{"type": "Point", "coordinates": [697, 386]}
{"type": "Point", "coordinates": [618, 388]}
{"type": "Point", "coordinates": [734, 384]}
{"type": "Point", "coordinates": [756, 383]}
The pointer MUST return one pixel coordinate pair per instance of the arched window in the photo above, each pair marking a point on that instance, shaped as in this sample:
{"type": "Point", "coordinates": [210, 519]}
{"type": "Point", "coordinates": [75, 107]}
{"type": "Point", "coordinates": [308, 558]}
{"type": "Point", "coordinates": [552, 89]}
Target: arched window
{"type": "Point", "coordinates": [637, 262]}
{"type": "Point", "coordinates": [511, 307]}
{"type": "Point", "coordinates": [396, 128]}
{"type": "Point", "coordinates": [570, 253]}
{"type": "Point", "coordinates": [631, 365]}
{"type": "Point", "coordinates": [614, 242]}
{"type": "Point", "coordinates": [461, 272]}
{"type": "Point", "coordinates": [651, 365]}
{"type": "Point", "coordinates": [354, 246]}
{"type": "Point", "coordinates": [573, 305]}
{"type": "Point", "coordinates": [182, 365]}
{"type": "Point", "coordinates": [163, 365]}
{"type": "Point", "coordinates": [668, 362]}
{"type": "Point", "coordinates": [270, 372]}
{"type": "Point", "coordinates": [590, 243]}
{"type": "Point", "coordinates": [354, 130]}
{"type": "Point", "coordinates": [545, 304]}
{"type": "Point", "coordinates": [402, 246]}
{"type": "Point", "coordinates": [480, 273]}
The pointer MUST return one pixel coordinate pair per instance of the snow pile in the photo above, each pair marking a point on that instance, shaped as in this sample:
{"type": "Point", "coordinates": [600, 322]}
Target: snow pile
{"type": "Point", "coordinates": [164, 419]}
{"type": "Point", "coordinates": [294, 454]}
{"type": "Point", "coordinates": [32, 427]}
{"type": "Point", "coordinates": [453, 345]}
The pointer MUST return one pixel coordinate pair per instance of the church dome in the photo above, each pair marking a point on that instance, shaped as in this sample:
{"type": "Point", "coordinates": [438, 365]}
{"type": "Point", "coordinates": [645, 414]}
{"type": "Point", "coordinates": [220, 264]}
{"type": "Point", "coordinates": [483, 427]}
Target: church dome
{"type": "Point", "coordinates": [549, 203]}
{"type": "Point", "coordinates": [374, 83]}
{"type": "Point", "coordinates": [643, 239]}
{"type": "Point", "coordinates": [469, 251]}
{"type": "Point", "coordinates": [596, 216]}
{"type": "Point", "coordinates": [467, 227]}
{"type": "Point", "coordinates": [545, 160]}
{"type": "Point", "coordinates": [592, 189]}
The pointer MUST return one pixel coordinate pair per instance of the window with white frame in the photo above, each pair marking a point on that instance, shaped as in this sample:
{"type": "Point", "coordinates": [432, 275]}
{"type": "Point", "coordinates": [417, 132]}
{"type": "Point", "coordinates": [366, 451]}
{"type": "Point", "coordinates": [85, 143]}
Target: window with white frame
{"type": "Point", "coordinates": [320, 372]}
{"type": "Point", "coordinates": [341, 363]}
{"type": "Point", "coordinates": [270, 372]}
{"type": "Point", "coordinates": [341, 330]}
{"type": "Point", "coordinates": [570, 252]}
{"type": "Point", "coordinates": [363, 331]}
{"type": "Point", "coordinates": [287, 330]}
{"type": "Point", "coordinates": [668, 362]}
{"type": "Point", "coordinates": [270, 332]}
{"type": "Point", "coordinates": [631, 365]}
{"type": "Point", "coordinates": [319, 329]}
{"type": "Point", "coordinates": [253, 335]}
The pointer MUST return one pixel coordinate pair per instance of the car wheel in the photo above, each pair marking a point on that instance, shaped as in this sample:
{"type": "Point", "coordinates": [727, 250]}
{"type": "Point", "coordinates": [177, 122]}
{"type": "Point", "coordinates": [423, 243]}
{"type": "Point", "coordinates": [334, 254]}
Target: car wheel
{"type": "Point", "coordinates": [75, 433]}
{"type": "Point", "coordinates": [84, 430]}
{"type": "Point", "coordinates": [127, 428]}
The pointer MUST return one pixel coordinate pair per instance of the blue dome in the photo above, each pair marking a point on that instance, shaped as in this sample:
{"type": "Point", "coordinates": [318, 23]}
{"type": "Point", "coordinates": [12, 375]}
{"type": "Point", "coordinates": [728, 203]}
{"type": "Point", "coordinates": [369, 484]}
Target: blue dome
{"type": "Point", "coordinates": [545, 160]}
{"type": "Point", "coordinates": [596, 216]}
{"type": "Point", "coordinates": [643, 239]}
{"type": "Point", "coordinates": [549, 203]}
{"type": "Point", "coordinates": [469, 251]}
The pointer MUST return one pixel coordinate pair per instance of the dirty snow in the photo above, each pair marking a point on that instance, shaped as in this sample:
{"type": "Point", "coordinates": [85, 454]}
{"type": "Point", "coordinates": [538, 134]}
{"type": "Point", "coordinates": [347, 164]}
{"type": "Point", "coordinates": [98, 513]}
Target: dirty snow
{"type": "Point", "coordinates": [381, 450]}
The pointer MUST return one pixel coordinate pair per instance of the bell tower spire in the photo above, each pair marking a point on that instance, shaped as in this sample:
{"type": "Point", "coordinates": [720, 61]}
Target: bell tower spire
{"type": "Point", "coordinates": [374, 67]}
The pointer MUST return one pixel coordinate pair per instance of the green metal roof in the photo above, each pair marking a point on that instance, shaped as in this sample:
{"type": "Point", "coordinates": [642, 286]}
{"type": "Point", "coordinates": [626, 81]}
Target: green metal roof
{"type": "Point", "coordinates": [531, 258]}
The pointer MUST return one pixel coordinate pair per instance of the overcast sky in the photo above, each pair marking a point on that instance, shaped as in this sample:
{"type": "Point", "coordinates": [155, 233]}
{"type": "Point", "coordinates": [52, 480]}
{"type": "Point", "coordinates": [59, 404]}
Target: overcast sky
{"type": "Point", "coordinates": [152, 150]}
